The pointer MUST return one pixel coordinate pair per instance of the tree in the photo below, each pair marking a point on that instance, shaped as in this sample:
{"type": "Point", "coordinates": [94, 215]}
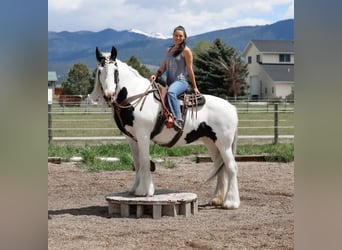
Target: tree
{"type": "Point", "coordinates": [79, 80]}
{"type": "Point", "coordinates": [199, 47]}
{"type": "Point", "coordinates": [92, 81]}
{"type": "Point", "coordinates": [220, 70]}
{"type": "Point", "coordinates": [142, 69]}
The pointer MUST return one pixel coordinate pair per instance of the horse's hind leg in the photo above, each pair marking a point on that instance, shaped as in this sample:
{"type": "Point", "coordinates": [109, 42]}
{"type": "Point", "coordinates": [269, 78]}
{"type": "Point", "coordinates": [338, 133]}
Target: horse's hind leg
{"type": "Point", "coordinates": [221, 173]}
{"type": "Point", "coordinates": [221, 188]}
{"type": "Point", "coordinates": [232, 199]}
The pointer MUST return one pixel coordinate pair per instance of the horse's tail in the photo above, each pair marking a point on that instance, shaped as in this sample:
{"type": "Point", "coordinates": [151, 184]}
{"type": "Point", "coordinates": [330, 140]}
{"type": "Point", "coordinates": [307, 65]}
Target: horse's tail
{"type": "Point", "coordinates": [218, 164]}
{"type": "Point", "coordinates": [234, 144]}
{"type": "Point", "coordinates": [218, 161]}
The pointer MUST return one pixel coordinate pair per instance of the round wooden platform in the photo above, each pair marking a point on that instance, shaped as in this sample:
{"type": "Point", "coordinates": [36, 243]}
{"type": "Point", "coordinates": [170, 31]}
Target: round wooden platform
{"type": "Point", "coordinates": [163, 203]}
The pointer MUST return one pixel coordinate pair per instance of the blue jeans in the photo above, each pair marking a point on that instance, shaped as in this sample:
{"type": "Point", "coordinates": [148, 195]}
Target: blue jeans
{"type": "Point", "coordinates": [175, 89]}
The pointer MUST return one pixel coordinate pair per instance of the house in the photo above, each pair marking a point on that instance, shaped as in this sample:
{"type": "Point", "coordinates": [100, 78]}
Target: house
{"type": "Point", "coordinates": [271, 68]}
{"type": "Point", "coordinates": [53, 85]}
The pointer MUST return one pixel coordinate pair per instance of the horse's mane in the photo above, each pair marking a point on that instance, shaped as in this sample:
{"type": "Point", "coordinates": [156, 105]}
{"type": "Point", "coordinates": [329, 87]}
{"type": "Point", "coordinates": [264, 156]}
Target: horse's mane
{"type": "Point", "coordinates": [128, 68]}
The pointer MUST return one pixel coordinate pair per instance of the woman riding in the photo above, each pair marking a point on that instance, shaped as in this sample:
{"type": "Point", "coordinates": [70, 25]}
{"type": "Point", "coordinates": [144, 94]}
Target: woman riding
{"type": "Point", "coordinates": [177, 65]}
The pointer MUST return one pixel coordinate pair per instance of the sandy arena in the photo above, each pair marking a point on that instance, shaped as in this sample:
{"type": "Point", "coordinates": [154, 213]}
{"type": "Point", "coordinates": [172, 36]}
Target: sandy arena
{"type": "Point", "coordinates": [78, 212]}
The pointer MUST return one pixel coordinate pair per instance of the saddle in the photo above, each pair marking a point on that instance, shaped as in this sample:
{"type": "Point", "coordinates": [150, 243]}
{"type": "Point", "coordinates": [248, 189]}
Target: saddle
{"type": "Point", "coordinates": [187, 100]}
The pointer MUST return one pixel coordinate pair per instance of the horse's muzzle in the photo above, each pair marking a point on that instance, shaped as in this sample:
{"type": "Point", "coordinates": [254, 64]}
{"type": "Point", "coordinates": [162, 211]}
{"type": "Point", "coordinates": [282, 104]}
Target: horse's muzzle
{"type": "Point", "coordinates": [109, 99]}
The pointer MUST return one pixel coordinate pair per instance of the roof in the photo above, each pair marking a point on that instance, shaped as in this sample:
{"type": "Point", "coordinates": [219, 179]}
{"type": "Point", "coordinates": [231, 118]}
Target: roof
{"type": "Point", "coordinates": [279, 72]}
{"type": "Point", "coordinates": [52, 76]}
{"type": "Point", "coordinates": [277, 46]}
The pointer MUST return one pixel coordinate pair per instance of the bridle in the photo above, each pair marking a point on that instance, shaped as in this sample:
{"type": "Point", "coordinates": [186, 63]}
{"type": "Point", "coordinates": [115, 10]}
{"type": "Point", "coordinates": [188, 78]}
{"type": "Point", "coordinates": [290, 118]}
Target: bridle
{"type": "Point", "coordinates": [128, 103]}
{"type": "Point", "coordinates": [105, 61]}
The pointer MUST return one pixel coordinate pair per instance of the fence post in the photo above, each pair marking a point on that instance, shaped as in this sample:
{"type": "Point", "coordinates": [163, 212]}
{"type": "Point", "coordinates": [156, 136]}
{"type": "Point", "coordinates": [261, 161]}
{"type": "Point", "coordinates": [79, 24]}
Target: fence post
{"type": "Point", "coordinates": [49, 123]}
{"type": "Point", "coordinates": [247, 104]}
{"type": "Point", "coordinates": [276, 132]}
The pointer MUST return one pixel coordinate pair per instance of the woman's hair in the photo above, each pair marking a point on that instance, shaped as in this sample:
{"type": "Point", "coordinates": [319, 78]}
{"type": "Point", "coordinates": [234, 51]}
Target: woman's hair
{"type": "Point", "coordinates": [183, 44]}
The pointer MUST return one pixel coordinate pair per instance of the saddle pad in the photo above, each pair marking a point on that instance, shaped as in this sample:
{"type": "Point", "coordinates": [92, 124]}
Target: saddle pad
{"type": "Point", "coordinates": [191, 100]}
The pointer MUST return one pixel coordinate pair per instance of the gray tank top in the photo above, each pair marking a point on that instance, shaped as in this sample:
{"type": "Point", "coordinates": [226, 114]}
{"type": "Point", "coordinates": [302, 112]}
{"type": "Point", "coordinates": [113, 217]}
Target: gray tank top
{"type": "Point", "coordinates": [175, 68]}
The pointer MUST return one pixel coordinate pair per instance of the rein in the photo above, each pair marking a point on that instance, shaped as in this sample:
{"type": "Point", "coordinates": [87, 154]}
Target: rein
{"type": "Point", "coordinates": [126, 104]}
{"type": "Point", "coordinates": [133, 101]}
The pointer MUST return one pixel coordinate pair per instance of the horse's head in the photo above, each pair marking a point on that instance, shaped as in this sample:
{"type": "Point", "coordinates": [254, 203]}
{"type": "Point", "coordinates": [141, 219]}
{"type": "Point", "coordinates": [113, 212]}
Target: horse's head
{"type": "Point", "coordinates": [107, 74]}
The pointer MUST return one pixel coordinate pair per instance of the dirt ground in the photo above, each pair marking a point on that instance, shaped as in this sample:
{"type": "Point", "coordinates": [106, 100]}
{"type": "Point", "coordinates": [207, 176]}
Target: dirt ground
{"type": "Point", "coordinates": [78, 212]}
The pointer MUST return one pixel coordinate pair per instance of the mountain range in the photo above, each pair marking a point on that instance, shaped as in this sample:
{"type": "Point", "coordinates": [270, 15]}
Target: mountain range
{"type": "Point", "coordinates": [67, 48]}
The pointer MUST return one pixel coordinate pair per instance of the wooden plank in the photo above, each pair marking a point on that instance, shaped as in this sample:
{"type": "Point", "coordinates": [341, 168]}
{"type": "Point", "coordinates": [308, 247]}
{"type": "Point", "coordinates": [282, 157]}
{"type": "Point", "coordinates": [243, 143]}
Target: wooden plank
{"type": "Point", "coordinates": [185, 209]}
{"type": "Point", "coordinates": [250, 158]}
{"type": "Point", "coordinates": [140, 211]}
{"type": "Point", "coordinates": [56, 160]}
{"type": "Point", "coordinates": [194, 207]}
{"type": "Point", "coordinates": [170, 210]}
{"type": "Point", "coordinates": [241, 158]}
{"type": "Point", "coordinates": [113, 208]}
{"type": "Point", "coordinates": [157, 211]}
{"type": "Point", "coordinates": [124, 210]}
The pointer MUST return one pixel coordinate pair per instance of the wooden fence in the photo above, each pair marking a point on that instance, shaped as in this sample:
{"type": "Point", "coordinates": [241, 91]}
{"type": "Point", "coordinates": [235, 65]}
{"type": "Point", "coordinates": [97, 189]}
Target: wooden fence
{"type": "Point", "coordinates": [86, 122]}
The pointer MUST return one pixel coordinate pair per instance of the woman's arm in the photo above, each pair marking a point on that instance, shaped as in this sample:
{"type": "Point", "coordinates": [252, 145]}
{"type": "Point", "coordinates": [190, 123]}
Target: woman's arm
{"type": "Point", "coordinates": [188, 62]}
{"type": "Point", "coordinates": [161, 69]}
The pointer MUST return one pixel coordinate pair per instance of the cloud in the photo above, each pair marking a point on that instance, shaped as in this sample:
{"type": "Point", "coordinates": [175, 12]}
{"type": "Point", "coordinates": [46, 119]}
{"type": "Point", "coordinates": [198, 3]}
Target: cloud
{"type": "Point", "coordinates": [64, 5]}
{"type": "Point", "coordinates": [197, 16]}
{"type": "Point", "coordinates": [290, 12]}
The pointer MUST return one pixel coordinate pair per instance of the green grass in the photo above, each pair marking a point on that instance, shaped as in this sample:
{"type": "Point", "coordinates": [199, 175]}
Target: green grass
{"type": "Point", "coordinates": [89, 153]}
{"type": "Point", "coordinates": [277, 153]}
{"type": "Point", "coordinates": [254, 119]}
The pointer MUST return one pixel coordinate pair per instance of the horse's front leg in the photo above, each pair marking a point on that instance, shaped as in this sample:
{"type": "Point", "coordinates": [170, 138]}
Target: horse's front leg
{"type": "Point", "coordinates": [143, 179]}
{"type": "Point", "coordinates": [135, 154]}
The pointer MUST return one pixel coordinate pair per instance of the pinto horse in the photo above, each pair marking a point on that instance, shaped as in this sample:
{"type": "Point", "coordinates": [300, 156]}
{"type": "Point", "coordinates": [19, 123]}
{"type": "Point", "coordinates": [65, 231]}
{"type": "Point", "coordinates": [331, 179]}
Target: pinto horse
{"type": "Point", "coordinates": [136, 112]}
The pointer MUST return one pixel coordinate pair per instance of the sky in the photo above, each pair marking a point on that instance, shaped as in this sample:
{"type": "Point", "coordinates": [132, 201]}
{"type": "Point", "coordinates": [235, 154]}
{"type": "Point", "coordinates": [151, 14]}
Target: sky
{"type": "Point", "coordinates": [160, 16]}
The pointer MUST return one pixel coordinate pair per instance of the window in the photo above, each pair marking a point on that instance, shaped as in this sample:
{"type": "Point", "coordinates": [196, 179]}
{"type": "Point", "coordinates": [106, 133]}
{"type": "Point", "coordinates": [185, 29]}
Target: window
{"type": "Point", "coordinates": [284, 58]}
{"type": "Point", "coordinates": [272, 90]}
{"type": "Point", "coordinates": [258, 59]}
{"type": "Point", "coordinates": [265, 90]}
{"type": "Point", "coordinates": [249, 60]}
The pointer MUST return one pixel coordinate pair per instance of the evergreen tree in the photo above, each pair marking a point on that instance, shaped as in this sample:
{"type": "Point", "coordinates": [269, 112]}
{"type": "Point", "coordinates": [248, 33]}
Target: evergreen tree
{"type": "Point", "coordinates": [220, 71]}
{"type": "Point", "coordinates": [142, 69]}
{"type": "Point", "coordinates": [198, 47]}
{"type": "Point", "coordinates": [79, 81]}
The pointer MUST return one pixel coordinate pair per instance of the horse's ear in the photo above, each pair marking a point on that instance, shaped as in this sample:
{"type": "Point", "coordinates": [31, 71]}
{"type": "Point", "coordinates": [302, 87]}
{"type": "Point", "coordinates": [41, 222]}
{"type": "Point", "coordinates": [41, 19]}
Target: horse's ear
{"type": "Point", "coordinates": [98, 55]}
{"type": "Point", "coordinates": [113, 53]}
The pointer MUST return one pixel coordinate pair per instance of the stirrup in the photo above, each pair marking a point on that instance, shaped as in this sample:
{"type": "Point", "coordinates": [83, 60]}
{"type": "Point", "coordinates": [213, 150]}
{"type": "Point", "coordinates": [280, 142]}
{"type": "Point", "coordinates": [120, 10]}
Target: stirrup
{"type": "Point", "coordinates": [178, 125]}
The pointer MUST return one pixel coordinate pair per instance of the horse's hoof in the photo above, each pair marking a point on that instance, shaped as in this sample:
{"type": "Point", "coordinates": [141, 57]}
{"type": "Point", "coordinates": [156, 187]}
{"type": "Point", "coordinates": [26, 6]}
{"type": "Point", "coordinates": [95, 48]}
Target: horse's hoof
{"type": "Point", "coordinates": [215, 202]}
{"type": "Point", "coordinates": [142, 195]}
{"type": "Point", "coordinates": [231, 205]}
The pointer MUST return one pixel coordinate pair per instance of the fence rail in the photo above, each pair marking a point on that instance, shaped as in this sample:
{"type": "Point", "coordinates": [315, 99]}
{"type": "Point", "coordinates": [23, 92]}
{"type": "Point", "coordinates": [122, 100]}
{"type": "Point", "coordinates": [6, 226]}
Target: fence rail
{"type": "Point", "coordinates": [258, 120]}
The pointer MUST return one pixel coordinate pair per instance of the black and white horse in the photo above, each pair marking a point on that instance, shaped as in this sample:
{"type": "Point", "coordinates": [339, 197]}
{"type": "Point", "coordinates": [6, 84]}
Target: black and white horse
{"type": "Point", "coordinates": [136, 112]}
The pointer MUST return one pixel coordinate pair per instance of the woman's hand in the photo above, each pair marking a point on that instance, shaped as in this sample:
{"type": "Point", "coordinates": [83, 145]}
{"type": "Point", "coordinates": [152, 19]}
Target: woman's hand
{"type": "Point", "coordinates": [197, 92]}
{"type": "Point", "coordinates": [153, 78]}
